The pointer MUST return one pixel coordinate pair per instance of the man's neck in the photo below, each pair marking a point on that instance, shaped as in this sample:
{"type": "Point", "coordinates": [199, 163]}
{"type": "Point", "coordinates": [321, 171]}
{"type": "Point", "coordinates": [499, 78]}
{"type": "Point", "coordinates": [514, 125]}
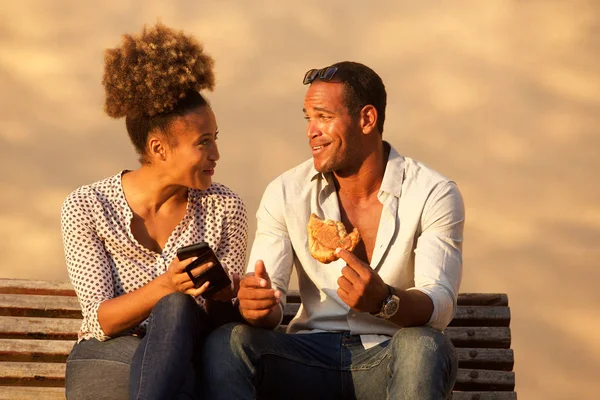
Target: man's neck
{"type": "Point", "coordinates": [366, 181]}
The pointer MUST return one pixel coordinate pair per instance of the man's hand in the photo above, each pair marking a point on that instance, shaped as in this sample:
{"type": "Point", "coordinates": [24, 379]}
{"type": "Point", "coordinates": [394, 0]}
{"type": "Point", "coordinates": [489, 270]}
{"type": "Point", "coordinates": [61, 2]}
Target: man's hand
{"type": "Point", "coordinates": [359, 286]}
{"type": "Point", "coordinates": [256, 296]}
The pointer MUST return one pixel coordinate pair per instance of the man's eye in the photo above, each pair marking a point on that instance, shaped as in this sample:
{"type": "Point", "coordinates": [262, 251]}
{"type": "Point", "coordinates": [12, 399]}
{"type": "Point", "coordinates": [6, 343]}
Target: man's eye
{"type": "Point", "coordinates": [306, 118]}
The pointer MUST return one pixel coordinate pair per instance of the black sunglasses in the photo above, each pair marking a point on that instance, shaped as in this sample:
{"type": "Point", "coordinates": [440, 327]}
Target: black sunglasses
{"type": "Point", "coordinates": [328, 73]}
{"type": "Point", "coordinates": [324, 74]}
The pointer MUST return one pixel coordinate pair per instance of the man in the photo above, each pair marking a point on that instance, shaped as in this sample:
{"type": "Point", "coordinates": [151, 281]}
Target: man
{"type": "Point", "coordinates": [372, 318]}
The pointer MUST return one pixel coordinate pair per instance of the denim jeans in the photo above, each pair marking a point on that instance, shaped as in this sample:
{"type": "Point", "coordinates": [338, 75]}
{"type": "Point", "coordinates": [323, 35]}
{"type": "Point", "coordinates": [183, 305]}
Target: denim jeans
{"type": "Point", "coordinates": [162, 365]}
{"type": "Point", "coordinates": [243, 362]}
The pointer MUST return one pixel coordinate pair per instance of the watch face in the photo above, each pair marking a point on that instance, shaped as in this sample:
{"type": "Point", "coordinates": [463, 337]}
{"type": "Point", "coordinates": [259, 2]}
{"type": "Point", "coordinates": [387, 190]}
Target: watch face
{"type": "Point", "coordinates": [390, 308]}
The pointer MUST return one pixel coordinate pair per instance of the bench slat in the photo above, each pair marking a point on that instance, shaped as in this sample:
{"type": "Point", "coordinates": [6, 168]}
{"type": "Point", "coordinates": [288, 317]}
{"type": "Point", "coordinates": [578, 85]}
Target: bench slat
{"type": "Point", "coordinates": [491, 337]}
{"type": "Point", "coordinates": [25, 305]}
{"type": "Point", "coordinates": [481, 316]}
{"type": "Point", "coordinates": [484, 396]}
{"type": "Point", "coordinates": [31, 393]}
{"type": "Point", "coordinates": [479, 379]}
{"type": "Point", "coordinates": [35, 350]}
{"type": "Point", "coordinates": [32, 374]}
{"type": "Point", "coordinates": [26, 286]}
{"type": "Point", "coordinates": [38, 328]}
{"type": "Point", "coordinates": [482, 358]}
{"type": "Point", "coordinates": [482, 299]}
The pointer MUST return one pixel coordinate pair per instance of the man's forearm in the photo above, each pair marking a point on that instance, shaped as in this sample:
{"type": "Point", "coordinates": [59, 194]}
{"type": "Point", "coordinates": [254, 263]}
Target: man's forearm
{"type": "Point", "coordinates": [415, 308]}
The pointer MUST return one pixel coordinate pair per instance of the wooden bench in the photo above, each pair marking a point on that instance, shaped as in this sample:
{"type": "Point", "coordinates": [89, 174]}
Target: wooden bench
{"type": "Point", "coordinates": [39, 321]}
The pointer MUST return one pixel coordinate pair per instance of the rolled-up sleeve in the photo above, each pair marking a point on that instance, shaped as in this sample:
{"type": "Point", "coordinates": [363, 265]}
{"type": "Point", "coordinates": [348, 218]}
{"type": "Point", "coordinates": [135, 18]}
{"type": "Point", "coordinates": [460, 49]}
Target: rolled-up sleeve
{"type": "Point", "coordinates": [87, 263]}
{"type": "Point", "coordinates": [438, 253]}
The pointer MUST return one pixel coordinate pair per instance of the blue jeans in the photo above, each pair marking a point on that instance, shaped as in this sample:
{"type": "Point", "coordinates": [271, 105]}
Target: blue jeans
{"type": "Point", "coordinates": [243, 362]}
{"type": "Point", "coordinates": [162, 365]}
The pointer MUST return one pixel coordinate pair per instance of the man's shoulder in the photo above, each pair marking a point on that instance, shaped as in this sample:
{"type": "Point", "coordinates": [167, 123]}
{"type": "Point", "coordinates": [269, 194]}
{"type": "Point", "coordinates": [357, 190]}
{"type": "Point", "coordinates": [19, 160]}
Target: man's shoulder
{"type": "Point", "coordinates": [421, 174]}
{"type": "Point", "coordinates": [295, 177]}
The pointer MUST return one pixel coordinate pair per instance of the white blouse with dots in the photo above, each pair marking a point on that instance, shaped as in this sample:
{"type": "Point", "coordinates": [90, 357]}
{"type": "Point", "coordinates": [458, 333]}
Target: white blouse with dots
{"type": "Point", "coordinates": [104, 260]}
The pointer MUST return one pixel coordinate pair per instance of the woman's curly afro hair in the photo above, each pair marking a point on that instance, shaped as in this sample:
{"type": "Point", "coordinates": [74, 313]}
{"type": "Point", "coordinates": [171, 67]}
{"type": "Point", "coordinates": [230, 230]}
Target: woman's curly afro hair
{"type": "Point", "coordinates": [151, 72]}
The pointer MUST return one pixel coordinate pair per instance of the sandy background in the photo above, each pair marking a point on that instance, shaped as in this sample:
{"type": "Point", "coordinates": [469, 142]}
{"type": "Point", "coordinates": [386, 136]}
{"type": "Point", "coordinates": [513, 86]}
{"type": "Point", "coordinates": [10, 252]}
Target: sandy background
{"type": "Point", "coordinates": [502, 96]}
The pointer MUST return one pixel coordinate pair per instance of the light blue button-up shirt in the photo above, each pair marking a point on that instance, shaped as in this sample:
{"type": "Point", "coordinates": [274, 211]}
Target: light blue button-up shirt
{"type": "Point", "coordinates": [418, 244]}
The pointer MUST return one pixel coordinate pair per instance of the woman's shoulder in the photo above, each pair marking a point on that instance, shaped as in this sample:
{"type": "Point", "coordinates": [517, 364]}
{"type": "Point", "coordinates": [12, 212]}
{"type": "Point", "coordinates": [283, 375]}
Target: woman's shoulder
{"type": "Point", "coordinates": [218, 193]}
{"type": "Point", "coordinates": [100, 191]}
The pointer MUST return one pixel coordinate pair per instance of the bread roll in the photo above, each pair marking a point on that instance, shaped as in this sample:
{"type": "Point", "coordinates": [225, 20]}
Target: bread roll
{"type": "Point", "coordinates": [326, 236]}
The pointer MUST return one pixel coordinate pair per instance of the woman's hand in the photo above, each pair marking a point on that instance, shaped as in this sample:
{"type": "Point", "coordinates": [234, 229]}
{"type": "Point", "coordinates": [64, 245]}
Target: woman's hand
{"type": "Point", "coordinates": [229, 292]}
{"type": "Point", "coordinates": [178, 280]}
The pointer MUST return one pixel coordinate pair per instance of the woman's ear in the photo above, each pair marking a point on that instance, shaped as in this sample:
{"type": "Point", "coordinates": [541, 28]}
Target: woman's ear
{"type": "Point", "coordinates": [368, 119]}
{"type": "Point", "coordinates": [156, 148]}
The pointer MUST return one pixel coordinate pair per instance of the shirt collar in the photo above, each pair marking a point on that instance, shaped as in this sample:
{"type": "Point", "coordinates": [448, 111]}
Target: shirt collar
{"type": "Point", "coordinates": [393, 177]}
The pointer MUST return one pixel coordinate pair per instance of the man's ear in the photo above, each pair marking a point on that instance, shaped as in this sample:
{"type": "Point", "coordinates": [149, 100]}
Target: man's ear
{"type": "Point", "coordinates": [156, 148]}
{"type": "Point", "coordinates": [368, 119]}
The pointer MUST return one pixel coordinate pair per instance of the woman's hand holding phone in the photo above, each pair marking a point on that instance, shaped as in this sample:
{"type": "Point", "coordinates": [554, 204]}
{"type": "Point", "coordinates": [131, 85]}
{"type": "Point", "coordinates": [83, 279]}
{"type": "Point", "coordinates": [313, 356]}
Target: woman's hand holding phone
{"type": "Point", "coordinates": [179, 280]}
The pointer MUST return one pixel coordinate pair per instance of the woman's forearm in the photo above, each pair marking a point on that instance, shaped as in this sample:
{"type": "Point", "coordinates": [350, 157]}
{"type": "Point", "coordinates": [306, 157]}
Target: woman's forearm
{"type": "Point", "coordinates": [129, 310]}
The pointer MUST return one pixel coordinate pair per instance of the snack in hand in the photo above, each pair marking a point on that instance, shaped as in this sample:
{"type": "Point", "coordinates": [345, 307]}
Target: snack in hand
{"type": "Point", "coordinates": [326, 236]}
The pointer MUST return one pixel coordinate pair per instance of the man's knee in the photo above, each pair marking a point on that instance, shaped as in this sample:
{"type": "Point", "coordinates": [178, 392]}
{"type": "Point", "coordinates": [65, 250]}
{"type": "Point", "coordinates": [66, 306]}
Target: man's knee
{"type": "Point", "coordinates": [225, 348]}
{"type": "Point", "coordinates": [422, 346]}
{"type": "Point", "coordinates": [230, 340]}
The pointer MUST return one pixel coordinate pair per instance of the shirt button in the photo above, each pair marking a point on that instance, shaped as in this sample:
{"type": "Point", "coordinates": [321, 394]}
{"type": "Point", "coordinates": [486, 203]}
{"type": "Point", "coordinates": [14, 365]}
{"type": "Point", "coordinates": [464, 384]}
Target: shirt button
{"type": "Point", "coordinates": [353, 315]}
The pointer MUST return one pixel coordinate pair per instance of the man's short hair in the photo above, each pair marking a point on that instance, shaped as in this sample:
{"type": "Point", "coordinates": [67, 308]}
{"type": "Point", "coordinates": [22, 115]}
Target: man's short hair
{"type": "Point", "coordinates": [362, 87]}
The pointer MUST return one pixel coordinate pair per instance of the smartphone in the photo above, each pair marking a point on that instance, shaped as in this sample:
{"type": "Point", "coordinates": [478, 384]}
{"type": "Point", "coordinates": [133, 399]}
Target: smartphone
{"type": "Point", "coordinates": [216, 274]}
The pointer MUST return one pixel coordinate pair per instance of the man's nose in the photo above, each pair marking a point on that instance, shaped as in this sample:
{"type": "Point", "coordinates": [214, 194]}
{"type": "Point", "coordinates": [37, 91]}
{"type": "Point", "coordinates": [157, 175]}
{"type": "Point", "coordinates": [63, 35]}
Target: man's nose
{"type": "Point", "coordinates": [312, 130]}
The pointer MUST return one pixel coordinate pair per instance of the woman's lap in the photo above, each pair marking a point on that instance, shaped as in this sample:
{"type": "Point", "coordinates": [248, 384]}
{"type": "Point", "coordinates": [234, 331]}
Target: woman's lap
{"type": "Point", "coordinates": [161, 365]}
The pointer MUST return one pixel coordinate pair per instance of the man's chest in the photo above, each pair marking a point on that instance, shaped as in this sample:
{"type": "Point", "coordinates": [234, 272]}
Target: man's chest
{"type": "Point", "coordinates": [366, 218]}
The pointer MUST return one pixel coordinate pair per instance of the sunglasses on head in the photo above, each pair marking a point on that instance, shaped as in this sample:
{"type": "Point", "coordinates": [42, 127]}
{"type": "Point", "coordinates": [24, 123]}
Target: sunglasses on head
{"type": "Point", "coordinates": [328, 73]}
{"type": "Point", "coordinates": [324, 74]}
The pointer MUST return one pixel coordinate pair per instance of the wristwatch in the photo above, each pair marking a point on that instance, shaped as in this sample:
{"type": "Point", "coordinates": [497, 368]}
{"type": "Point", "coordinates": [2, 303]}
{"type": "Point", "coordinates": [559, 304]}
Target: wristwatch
{"type": "Point", "coordinates": [390, 305]}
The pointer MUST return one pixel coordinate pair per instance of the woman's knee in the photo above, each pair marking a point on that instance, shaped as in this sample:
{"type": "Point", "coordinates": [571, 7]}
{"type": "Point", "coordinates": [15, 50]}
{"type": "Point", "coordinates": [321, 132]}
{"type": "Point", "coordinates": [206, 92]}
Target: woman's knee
{"type": "Point", "coordinates": [175, 308]}
{"type": "Point", "coordinates": [175, 302]}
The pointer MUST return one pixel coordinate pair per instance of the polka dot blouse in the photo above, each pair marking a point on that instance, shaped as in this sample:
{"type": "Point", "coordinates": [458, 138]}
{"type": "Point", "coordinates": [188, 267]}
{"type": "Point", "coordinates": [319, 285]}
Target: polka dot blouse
{"type": "Point", "coordinates": [104, 260]}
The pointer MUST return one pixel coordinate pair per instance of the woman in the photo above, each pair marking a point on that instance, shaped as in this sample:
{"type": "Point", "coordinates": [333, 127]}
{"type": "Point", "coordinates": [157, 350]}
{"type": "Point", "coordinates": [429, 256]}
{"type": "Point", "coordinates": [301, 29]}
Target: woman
{"type": "Point", "coordinates": [143, 319]}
